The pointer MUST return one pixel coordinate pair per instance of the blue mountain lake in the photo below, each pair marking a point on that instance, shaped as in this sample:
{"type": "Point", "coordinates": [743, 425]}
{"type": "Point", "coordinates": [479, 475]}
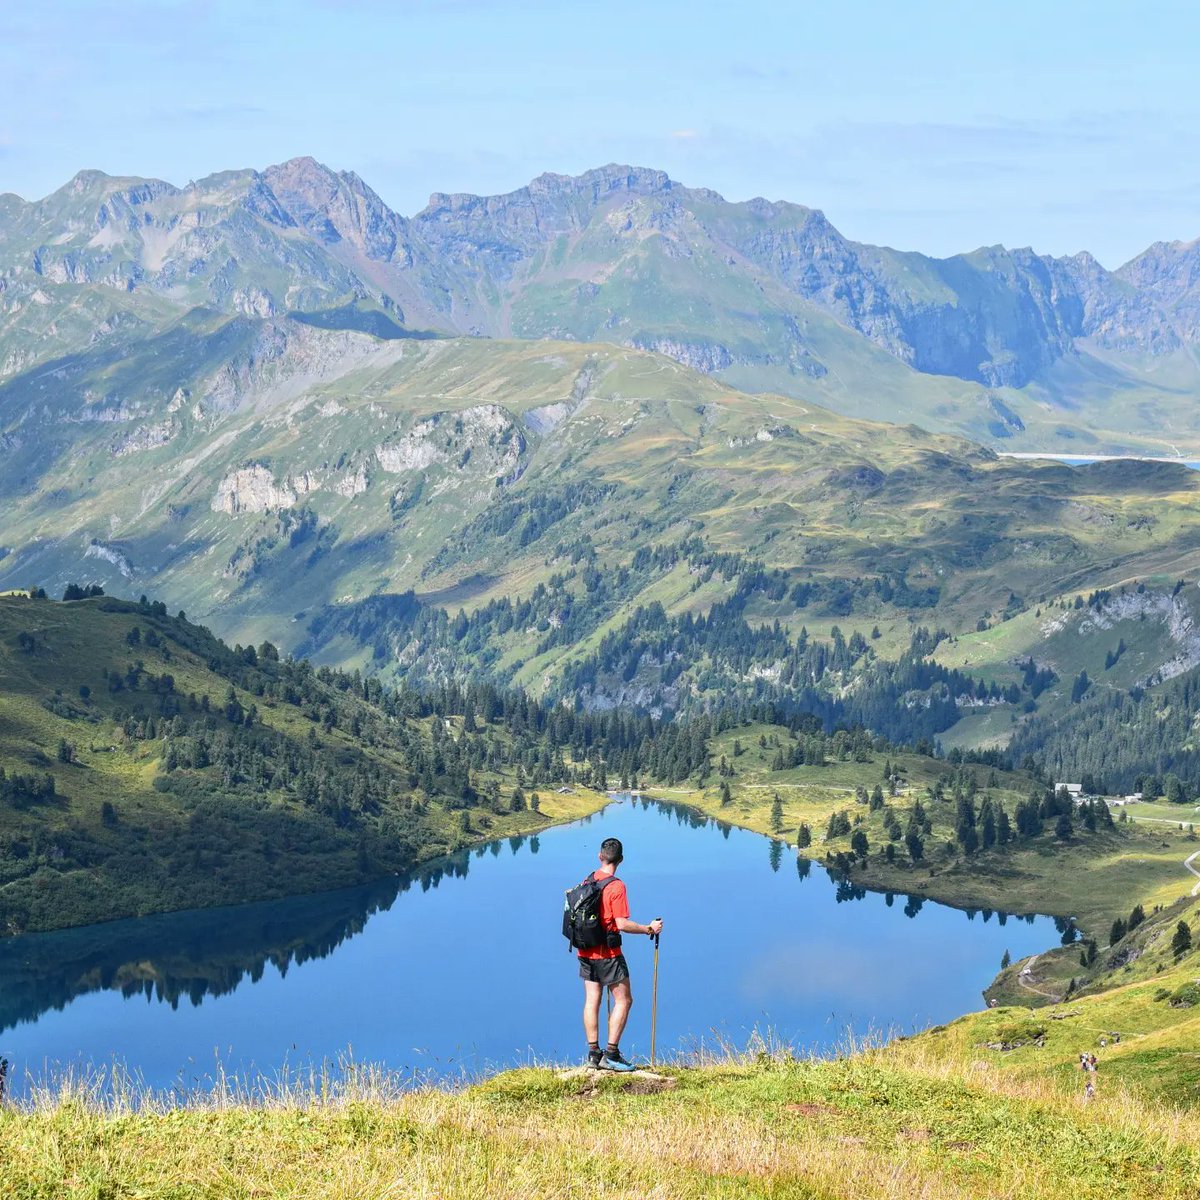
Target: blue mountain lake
{"type": "Point", "coordinates": [460, 967]}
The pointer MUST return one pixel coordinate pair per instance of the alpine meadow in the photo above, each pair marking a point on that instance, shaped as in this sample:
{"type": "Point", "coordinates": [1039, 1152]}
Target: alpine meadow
{"type": "Point", "coordinates": [364, 576]}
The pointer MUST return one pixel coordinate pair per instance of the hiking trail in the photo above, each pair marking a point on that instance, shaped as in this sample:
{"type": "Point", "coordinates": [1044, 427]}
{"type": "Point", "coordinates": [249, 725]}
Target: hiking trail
{"type": "Point", "coordinates": [1187, 862]}
{"type": "Point", "coordinates": [1028, 986]}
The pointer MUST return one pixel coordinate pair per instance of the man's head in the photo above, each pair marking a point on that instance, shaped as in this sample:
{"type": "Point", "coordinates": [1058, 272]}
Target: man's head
{"type": "Point", "coordinates": [611, 851]}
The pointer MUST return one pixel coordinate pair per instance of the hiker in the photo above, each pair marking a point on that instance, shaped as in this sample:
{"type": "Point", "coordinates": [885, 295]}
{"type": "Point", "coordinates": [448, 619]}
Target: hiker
{"type": "Point", "coordinates": [603, 965]}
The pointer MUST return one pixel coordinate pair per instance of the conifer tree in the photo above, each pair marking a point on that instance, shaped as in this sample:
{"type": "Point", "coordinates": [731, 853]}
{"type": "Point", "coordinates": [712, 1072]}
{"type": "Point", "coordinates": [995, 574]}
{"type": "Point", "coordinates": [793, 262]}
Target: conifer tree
{"type": "Point", "coordinates": [913, 842]}
{"type": "Point", "coordinates": [1181, 943]}
{"type": "Point", "coordinates": [964, 827]}
{"type": "Point", "coordinates": [777, 815]}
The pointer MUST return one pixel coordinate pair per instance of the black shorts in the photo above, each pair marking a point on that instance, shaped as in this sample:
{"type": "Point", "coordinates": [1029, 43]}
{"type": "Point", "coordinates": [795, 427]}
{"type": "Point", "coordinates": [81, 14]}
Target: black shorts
{"type": "Point", "coordinates": [604, 971]}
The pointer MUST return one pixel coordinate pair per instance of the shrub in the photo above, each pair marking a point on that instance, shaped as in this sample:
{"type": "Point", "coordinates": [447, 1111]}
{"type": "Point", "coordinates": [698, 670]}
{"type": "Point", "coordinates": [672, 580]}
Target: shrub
{"type": "Point", "coordinates": [1185, 996]}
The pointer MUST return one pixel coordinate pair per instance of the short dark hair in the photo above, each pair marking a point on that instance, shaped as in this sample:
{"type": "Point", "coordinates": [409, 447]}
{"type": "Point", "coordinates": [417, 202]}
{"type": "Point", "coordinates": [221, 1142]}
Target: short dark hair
{"type": "Point", "coordinates": [611, 850]}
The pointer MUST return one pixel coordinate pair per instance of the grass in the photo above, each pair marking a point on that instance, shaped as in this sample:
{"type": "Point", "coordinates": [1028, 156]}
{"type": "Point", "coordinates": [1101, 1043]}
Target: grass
{"type": "Point", "coordinates": [1160, 812]}
{"type": "Point", "coordinates": [946, 514]}
{"type": "Point", "coordinates": [937, 1117]}
{"type": "Point", "coordinates": [1156, 1055]}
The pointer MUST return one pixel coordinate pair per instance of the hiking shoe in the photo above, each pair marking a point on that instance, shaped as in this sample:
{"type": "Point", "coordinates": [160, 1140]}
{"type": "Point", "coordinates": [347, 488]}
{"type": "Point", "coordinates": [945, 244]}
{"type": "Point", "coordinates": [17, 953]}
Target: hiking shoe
{"type": "Point", "coordinates": [614, 1060]}
{"type": "Point", "coordinates": [594, 1059]}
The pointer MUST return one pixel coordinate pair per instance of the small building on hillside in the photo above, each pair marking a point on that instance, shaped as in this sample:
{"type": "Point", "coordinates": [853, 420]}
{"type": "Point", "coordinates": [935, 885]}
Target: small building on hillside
{"type": "Point", "coordinates": [1075, 790]}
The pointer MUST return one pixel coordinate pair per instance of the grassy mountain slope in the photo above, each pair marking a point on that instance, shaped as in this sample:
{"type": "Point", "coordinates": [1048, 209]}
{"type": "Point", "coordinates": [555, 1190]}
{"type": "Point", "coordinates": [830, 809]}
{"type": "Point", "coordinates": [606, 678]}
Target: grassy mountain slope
{"type": "Point", "coordinates": [266, 474]}
{"type": "Point", "coordinates": [1092, 877]}
{"type": "Point", "coordinates": [149, 767]}
{"type": "Point", "coordinates": [1139, 638]}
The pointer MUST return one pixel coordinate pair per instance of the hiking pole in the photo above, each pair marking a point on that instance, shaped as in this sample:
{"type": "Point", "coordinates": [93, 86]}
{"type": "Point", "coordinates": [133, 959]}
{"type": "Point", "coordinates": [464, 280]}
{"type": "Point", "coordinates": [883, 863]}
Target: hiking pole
{"type": "Point", "coordinates": [654, 1001]}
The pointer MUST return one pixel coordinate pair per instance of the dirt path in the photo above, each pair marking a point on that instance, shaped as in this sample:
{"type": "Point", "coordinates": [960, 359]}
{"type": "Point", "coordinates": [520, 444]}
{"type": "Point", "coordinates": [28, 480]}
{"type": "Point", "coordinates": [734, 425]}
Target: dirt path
{"type": "Point", "coordinates": [1023, 982]}
{"type": "Point", "coordinates": [1187, 862]}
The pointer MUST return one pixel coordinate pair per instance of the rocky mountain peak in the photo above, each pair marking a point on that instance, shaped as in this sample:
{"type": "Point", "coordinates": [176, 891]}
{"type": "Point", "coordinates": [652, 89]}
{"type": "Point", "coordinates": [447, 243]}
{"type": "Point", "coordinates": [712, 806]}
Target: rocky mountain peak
{"type": "Point", "coordinates": [85, 181]}
{"type": "Point", "coordinates": [92, 183]}
{"type": "Point", "coordinates": [335, 207]}
{"type": "Point", "coordinates": [601, 182]}
{"type": "Point", "coordinates": [778, 211]}
{"type": "Point", "coordinates": [1168, 269]}
{"type": "Point", "coordinates": [577, 257]}
{"type": "Point", "coordinates": [551, 193]}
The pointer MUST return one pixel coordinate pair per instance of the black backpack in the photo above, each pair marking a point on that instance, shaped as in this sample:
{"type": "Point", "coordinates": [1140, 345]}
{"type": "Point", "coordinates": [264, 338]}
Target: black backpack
{"type": "Point", "coordinates": [581, 923]}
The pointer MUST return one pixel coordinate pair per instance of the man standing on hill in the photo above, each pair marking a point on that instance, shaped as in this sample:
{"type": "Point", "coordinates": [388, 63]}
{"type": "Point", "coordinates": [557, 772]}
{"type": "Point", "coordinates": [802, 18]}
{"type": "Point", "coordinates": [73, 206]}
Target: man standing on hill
{"type": "Point", "coordinates": [605, 966]}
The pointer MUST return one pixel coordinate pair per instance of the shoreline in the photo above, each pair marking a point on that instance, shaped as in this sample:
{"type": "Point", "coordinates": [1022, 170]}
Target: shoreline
{"type": "Point", "coordinates": [553, 821]}
{"type": "Point", "coordinates": [1083, 460]}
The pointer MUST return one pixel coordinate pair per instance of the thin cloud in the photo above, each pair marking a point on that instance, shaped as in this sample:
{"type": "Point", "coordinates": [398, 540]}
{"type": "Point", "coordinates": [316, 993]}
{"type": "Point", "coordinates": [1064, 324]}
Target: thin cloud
{"type": "Point", "coordinates": [213, 112]}
{"type": "Point", "coordinates": [684, 134]}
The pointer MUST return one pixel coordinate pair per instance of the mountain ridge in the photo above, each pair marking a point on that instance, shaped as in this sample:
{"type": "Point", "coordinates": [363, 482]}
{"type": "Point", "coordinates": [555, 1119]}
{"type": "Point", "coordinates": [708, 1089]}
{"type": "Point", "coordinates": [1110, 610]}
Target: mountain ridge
{"type": "Point", "coordinates": [619, 251]}
{"type": "Point", "coordinates": [542, 183]}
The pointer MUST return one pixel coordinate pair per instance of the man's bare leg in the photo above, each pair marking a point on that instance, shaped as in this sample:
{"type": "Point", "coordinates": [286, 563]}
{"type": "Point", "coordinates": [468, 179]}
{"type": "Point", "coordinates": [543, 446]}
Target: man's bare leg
{"type": "Point", "coordinates": [622, 996]}
{"type": "Point", "coordinates": [591, 1010]}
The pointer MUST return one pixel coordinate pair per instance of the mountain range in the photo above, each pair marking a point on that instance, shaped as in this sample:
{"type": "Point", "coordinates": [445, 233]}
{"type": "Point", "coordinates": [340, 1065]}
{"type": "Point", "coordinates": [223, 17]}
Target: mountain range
{"type": "Point", "coordinates": [1003, 345]}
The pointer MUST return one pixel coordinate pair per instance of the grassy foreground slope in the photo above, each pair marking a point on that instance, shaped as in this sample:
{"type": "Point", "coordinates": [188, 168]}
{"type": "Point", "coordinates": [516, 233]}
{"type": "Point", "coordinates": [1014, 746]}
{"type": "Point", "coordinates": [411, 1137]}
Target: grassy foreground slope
{"type": "Point", "coordinates": [942, 1119]}
{"type": "Point", "coordinates": [1137, 1008]}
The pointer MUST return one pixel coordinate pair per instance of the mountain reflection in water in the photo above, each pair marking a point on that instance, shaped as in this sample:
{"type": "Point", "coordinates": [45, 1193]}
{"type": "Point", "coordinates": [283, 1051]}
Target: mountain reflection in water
{"type": "Point", "coordinates": [191, 955]}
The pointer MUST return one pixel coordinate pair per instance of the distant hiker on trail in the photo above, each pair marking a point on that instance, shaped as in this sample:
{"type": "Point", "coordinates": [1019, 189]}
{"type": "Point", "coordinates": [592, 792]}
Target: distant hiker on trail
{"type": "Point", "coordinates": [595, 916]}
{"type": "Point", "coordinates": [1088, 1065]}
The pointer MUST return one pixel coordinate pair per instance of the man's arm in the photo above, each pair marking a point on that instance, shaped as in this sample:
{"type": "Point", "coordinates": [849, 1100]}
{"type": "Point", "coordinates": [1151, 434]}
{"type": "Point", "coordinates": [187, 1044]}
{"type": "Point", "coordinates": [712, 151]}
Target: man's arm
{"type": "Point", "coordinates": [625, 925]}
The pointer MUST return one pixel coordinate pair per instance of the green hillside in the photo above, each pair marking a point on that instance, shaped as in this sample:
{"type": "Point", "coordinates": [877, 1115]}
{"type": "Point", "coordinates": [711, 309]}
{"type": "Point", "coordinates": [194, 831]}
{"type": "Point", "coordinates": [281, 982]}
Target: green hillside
{"type": "Point", "coordinates": [1088, 873]}
{"type": "Point", "coordinates": [149, 767]}
{"type": "Point", "coordinates": [1117, 706]}
{"type": "Point", "coordinates": [290, 483]}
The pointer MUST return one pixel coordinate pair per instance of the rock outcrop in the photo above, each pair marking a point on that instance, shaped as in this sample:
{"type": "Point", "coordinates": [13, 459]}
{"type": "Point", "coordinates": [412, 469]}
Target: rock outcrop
{"type": "Point", "coordinates": [484, 435]}
{"type": "Point", "coordinates": [252, 489]}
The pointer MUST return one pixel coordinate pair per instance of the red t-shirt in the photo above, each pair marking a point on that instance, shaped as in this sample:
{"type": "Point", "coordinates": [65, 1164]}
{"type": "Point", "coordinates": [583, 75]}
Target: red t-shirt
{"type": "Point", "coordinates": [614, 903]}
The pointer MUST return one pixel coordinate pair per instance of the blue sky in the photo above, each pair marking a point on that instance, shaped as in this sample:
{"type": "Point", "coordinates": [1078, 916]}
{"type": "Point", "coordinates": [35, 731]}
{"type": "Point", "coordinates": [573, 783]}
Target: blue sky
{"type": "Point", "coordinates": [929, 126]}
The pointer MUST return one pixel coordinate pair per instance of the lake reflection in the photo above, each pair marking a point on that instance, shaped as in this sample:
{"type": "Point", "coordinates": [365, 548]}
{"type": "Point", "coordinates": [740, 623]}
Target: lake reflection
{"type": "Point", "coordinates": [459, 966]}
